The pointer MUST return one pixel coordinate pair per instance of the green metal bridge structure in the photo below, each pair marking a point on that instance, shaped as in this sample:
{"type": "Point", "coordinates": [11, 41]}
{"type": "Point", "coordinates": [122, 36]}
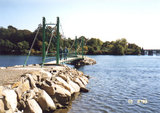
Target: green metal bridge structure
{"type": "Point", "coordinates": [55, 33]}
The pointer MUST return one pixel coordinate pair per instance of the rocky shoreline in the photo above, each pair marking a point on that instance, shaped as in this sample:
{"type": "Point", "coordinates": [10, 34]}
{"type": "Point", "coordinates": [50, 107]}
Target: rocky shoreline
{"type": "Point", "coordinates": [42, 90]}
{"type": "Point", "coordinates": [85, 61]}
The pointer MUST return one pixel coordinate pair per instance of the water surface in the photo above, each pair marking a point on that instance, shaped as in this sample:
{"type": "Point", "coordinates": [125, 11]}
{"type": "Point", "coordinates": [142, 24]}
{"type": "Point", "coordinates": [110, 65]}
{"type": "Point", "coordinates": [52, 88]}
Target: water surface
{"type": "Point", "coordinates": [11, 60]}
{"type": "Point", "coordinates": [121, 84]}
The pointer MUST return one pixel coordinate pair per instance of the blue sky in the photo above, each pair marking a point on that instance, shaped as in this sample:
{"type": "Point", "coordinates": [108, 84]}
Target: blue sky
{"type": "Point", "coordinates": [136, 20]}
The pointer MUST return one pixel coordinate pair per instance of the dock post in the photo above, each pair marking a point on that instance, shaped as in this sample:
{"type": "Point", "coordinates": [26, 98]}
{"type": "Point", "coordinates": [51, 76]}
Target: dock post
{"type": "Point", "coordinates": [82, 46]}
{"type": "Point", "coordinates": [43, 44]}
{"type": "Point", "coordinates": [58, 39]}
{"type": "Point", "coordinates": [76, 46]}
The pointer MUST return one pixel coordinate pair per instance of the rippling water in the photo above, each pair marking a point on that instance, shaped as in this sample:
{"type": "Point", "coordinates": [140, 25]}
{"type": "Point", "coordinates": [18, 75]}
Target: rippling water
{"type": "Point", "coordinates": [118, 84]}
{"type": "Point", "coordinates": [121, 84]}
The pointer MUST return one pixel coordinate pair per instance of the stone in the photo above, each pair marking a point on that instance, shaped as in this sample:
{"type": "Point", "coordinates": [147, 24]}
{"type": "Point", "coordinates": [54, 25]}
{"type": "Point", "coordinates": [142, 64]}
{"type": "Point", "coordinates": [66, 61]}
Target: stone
{"type": "Point", "coordinates": [35, 77]}
{"type": "Point", "coordinates": [85, 90]}
{"type": "Point", "coordinates": [62, 96]}
{"type": "Point", "coordinates": [31, 80]}
{"type": "Point", "coordinates": [1, 90]}
{"type": "Point", "coordinates": [21, 104]}
{"type": "Point", "coordinates": [10, 99]}
{"type": "Point", "coordinates": [32, 107]}
{"type": "Point", "coordinates": [15, 85]}
{"type": "Point", "coordinates": [65, 85]}
{"type": "Point", "coordinates": [19, 111]}
{"type": "Point", "coordinates": [61, 90]}
{"type": "Point", "coordinates": [49, 88]}
{"type": "Point", "coordinates": [80, 73]}
{"type": "Point", "coordinates": [23, 87]}
{"type": "Point", "coordinates": [2, 107]}
{"type": "Point", "coordinates": [76, 80]}
{"type": "Point", "coordinates": [29, 94]}
{"type": "Point", "coordinates": [83, 81]}
{"type": "Point", "coordinates": [63, 76]}
{"type": "Point", "coordinates": [9, 111]}
{"type": "Point", "coordinates": [41, 75]}
{"type": "Point", "coordinates": [45, 101]}
{"type": "Point", "coordinates": [85, 78]}
{"type": "Point", "coordinates": [74, 85]}
{"type": "Point", "coordinates": [46, 74]}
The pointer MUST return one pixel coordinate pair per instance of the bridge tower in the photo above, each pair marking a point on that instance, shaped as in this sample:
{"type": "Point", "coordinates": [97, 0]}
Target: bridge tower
{"type": "Point", "coordinates": [43, 40]}
{"type": "Point", "coordinates": [58, 41]}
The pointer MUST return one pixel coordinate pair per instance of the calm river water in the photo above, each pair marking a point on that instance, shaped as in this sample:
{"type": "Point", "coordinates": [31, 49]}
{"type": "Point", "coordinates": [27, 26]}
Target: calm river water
{"type": "Point", "coordinates": [118, 84]}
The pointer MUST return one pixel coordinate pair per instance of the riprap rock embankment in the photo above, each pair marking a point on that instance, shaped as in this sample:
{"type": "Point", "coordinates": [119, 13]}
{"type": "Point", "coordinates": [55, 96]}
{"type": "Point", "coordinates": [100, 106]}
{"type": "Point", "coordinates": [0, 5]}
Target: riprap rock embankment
{"type": "Point", "coordinates": [41, 89]}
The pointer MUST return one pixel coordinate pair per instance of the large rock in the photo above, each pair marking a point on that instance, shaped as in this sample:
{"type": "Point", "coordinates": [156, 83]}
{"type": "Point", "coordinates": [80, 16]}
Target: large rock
{"type": "Point", "coordinates": [45, 101]}
{"type": "Point", "coordinates": [30, 94]}
{"type": "Point", "coordinates": [48, 87]}
{"type": "Point", "coordinates": [2, 107]}
{"type": "Point", "coordinates": [79, 82]}
{"type": "Point", "coordinates": [62, 96]}
{"type": "Point", "coordinates": [63, 76]}
{"type": "Point", "coordinates": [32, 107]}
{"type": "Point", "coordinates": [83, 81]}
{"type": "Point", "coordinates": [41, 75]}
{"type": "Point", "coordinates": [10, 99]}
{"type": "Point", "coordinates": [65, 85]}
{"type": "Point", "coordinates": [85, 78]}
{"type": "Point", "coordinates": [23, 87]}
{"type": "Point", "coordinates": [1, 90]}
{"type": "Point", "coordinates": [45, 74]}
{"type": "Point", "coordinates": [85, 90]}
{"type": "Point", "coordinates": [74, 85]}
{"type": "Point", "coordinates": [31, 80]}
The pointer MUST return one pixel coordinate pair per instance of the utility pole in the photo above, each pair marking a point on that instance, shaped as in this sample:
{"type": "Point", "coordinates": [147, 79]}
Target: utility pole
{"type": "Point", "coordinates": [44, 36]}
{"type": "Point", "coordinates": [58, 40]}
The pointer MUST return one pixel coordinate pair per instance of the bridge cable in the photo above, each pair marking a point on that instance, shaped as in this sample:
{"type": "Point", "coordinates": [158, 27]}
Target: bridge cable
{"type": "Point", "coordinates": [79, 45]}
{"type": "Point", "coordinates": [65, 38]}
{"type": "Point", "coordinates": [52, 35]}
{"type": "Point", "coordinates": [39, 26]}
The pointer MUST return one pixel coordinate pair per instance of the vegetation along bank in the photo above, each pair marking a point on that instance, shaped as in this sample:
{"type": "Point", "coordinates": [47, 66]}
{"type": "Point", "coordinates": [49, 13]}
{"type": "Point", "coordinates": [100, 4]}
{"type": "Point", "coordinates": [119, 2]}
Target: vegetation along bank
{"type": "Point", "coordinates": [14, 41]}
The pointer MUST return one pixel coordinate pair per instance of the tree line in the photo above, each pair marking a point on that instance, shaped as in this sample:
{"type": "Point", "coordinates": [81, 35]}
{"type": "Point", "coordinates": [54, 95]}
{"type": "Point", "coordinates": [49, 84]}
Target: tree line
{"type": "Point", "coordinates": [14, 41]}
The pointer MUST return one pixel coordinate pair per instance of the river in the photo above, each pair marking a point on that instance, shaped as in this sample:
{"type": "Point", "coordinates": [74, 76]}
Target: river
{"type": "Point", "coordinates": [118, 84]}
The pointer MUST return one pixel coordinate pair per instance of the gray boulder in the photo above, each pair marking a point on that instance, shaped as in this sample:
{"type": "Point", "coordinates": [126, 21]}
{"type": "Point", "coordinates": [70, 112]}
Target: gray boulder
{"type": "Point", "coordinates": [45, 101]}
{"type": "Point", "coordinates": [10, 99]}
{"type": "Point", "coordinates": [62, 96]}
{"type": "Point", "coordinates": [32, 107]}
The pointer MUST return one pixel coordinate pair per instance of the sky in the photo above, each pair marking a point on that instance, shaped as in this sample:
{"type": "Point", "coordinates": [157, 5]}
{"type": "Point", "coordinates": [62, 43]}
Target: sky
{"type": "Point", "coordinates": [136, 20]}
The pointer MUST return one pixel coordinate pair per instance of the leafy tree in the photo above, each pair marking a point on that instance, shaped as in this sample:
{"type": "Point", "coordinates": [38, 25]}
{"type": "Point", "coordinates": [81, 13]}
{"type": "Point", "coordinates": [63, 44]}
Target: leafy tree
{"type": "Point", "coordinates": [14, 41]}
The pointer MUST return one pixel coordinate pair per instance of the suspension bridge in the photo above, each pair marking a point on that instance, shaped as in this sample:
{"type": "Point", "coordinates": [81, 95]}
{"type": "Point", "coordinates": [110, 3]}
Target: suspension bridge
{"type": "Point", "coordinates": [74, 53]}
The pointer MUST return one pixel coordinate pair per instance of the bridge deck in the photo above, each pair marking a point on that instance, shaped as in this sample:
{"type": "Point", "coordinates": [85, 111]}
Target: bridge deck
{"type": "Point", "coordinates": [62, 61]}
